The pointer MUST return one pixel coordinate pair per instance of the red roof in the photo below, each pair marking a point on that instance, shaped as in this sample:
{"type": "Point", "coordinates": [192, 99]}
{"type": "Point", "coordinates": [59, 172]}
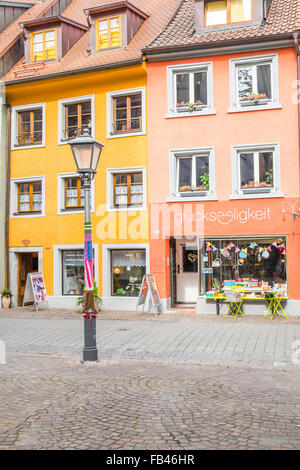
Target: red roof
{"type": "Point", "coordinates": [283, 17]}
{"type": "Point", "coordinates": [79, 57]}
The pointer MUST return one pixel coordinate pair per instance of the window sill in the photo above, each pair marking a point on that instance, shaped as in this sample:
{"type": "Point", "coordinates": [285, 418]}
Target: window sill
{"type": "Point", "coordinates": [126, 209]}
{"type": "Point", "coordinates": [24, 147]}
{"type": "Point", "coordinates": [112, 135]}
{"type": "Point", "coordinates": [192, 198]}
{"type": "Point", "coordinates": [257, 195]}
{"type": "Point", "coordinates": [72, 211]}
{"type": "Point", "coordinates": [243, 109]}
{"type": "Point", "coordinates": [15, 215]}
{"type": "Point", "coordinates": [206, 112]}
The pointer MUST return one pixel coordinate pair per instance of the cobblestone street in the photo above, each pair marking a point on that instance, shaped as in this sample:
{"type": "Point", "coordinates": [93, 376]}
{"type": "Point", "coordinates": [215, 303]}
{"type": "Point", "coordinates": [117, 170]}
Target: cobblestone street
{"type": "Point", "coordinates": [189, 383]}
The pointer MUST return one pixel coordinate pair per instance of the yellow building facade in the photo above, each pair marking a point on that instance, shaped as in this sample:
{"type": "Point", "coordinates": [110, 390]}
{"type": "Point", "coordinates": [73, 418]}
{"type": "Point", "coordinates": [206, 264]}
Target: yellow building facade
{"type": "Point", "coordinates": [51, 240]}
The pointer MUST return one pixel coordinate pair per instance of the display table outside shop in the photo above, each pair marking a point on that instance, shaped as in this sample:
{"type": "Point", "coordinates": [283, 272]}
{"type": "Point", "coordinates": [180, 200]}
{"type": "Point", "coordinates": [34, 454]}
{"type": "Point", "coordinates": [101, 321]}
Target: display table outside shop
{"type": "Point", "coordinates": [234, 307]}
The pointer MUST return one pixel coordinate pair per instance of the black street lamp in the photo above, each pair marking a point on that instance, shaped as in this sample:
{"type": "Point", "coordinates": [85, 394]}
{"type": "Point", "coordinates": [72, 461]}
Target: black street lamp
{"type": "Point", "coordinates": [86, 152]}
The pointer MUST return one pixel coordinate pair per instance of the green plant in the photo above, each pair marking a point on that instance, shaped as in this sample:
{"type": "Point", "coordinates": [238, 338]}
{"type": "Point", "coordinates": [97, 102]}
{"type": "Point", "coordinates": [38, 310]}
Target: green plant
{"type": "Point", "coordinates": [268, 177]}
{"type": "Point", "coordinates": [192, 107]}
{"type": "Point", "coordinates": [6, 293]}
{"type": "Point", "coordinates": [120, 291]}
{"type": "Point", "coordinates": [204, 180]}
{"type": "Point", "coordinates": [80, 300]}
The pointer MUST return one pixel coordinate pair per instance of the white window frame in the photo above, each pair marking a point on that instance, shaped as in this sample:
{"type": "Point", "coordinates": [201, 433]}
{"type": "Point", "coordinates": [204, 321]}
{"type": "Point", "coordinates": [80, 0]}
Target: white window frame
{"type": "Point", "coordinates": [58, 270]}
{"type": "Point", "coordinates": [14, 125]}
{"type": "Point", "coordinates": [61, 210]}
{"type": "Point", "coordinates": [235, 105]}
{"type": "Point", "coordinates": [110, 112]}
{"type": "Point", "coordinates": [61, 115]}
{"type": "Point", "coordinates": [110, 172]}
{"type": "Point", "coordinates": [175, 195]}
{"type": "Point", "coordinates": [106, 262]}
{"type": "Point", "coordinates": [14, 182]}
{"type": "Point", "coordinates": [172, 71]}
{"type": "Point", "coordinates": [255, 193]}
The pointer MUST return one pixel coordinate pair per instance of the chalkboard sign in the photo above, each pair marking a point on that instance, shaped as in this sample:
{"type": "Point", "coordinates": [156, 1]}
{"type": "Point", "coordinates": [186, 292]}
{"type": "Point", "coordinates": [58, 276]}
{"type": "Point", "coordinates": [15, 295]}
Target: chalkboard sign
{"type": "Point", "coordinates": [149, 283]}
{"type": "Point", "coordinates": [35, 290]}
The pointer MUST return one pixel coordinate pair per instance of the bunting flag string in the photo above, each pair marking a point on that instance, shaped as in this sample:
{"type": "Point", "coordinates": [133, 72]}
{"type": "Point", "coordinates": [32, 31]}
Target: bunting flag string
{"type": "Point", "coordinates": [243, 252]}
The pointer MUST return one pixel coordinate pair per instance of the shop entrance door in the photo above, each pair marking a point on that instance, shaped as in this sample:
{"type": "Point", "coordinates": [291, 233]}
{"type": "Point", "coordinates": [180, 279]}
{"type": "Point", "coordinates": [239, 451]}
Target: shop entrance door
{"type": "Point", "coordinates": [28, 263]}
{"type": "Point", "coordinates": [187, 271]}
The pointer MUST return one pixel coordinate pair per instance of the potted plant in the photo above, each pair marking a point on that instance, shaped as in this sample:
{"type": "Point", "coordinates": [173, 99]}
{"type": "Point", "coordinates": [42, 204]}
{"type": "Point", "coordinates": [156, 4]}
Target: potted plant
{"type": "Point", "coordinates": [6, 296]}
{"type": "Point", "coordinates": [254, 98]}
{"type": "Point", "coordinates": [98, 299]}
{"type": "Point", "coordinates": [204, 182]}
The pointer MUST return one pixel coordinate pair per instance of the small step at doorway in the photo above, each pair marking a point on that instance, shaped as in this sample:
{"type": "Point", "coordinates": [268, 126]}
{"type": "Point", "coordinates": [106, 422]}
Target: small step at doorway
{"type": "Point", "coordinates": [184, 308]}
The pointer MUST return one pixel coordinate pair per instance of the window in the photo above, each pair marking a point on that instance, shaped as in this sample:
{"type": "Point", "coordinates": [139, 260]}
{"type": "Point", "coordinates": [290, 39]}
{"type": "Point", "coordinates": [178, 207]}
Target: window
{"type": "Point", "coordinates": [108, 33]}
{"type": "Point", "coordinates": [250, 262]}
{"type": "Point", "coordinates": [77, 118]}
{"type": "Point", "coordinates": [30, 197]}
{"type": "Point", "coordinates": [128, 268]}
{"type": "Point", "coordinates": [43, 46]}
{"type": "Point", "coordinates": [30, 127]}
{"type": "Point", "coordinates": [70, 194]}
{"type": "Point", "coordinates": [227, 11]}
{"type": "Point", "coordinates": [257, 170]}
{"type": "Point", "coordinates": [127, 113]}
{"type": "Point", "coordinates": [128, 189]}
{"type": "Point", "coordinates": [193, 173]}
{"type": "Point", "coordinates": [190, 89]}
{"type": "Point", "coordinates": [73, 272]}
{"type": "Point", "coordinates": [74, 116]}
{"type": "Point", "coordinates": [254, 83]}
{"type": "Point", "coordinates": [74, 193]}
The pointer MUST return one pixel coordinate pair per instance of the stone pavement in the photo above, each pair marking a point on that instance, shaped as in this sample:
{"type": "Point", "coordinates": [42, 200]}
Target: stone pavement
{"type": "Point", "coordinates": [176, 382]}
{"type": "Point", "coordinates": [56, 403]}
{"type": "Point", "coordinates": [254, 341]}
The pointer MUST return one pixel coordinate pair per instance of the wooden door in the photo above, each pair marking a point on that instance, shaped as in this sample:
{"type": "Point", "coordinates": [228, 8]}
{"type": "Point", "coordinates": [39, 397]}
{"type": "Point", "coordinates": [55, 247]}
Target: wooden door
{"type": "Point", "coordinates": [28, 263]}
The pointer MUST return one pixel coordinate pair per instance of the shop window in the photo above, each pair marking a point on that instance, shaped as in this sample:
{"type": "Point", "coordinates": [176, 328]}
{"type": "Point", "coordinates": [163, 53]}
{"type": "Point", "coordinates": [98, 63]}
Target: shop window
{"type": "Point", "coordinates": [257, 170]}
{"type": "Point", "coordinates": [227, 11]}
{"type": "Point", "coordinates": [190, 89]}
{"type": "Point", "coordinates": [30, 197]}
{"type": "Point", "coordinates": [30, 127]}
{"type": "Point", "coordinates": [74, 193]}
{"type": "Point", "coordinates": [127, 270]}
{"type": "Point", "coordinates": [108, 33]}
{"type": "Point", "coordinates": [73, 272]}
{"type": "Point", "coordinates": [256, 265]}
{"type": "Point", "coordinates": [77, 118]}
{"type": "Point", "coordinates": [254, 83]}
{"type": "Point", "coordinates": [128, 189]}
{"type": "Point", "coordinates": [43, 46]}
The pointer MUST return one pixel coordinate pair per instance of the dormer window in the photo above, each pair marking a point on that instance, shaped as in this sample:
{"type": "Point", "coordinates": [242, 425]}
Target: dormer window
{"type": "Point", "coordinates": [44, 46]}
{"type": "Point", "coordinates": [223, 12]}
{"type": "Point", "coordinates": [109, 33]}
{"type": "Point", "coordinates": [113, 25]}
{"type": "Point", "coordinates": [49, 39]}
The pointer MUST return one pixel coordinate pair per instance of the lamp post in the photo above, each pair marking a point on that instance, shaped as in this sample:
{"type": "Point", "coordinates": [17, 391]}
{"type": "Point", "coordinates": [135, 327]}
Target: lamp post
{"type": "Point", "coordinates": [86, 152]}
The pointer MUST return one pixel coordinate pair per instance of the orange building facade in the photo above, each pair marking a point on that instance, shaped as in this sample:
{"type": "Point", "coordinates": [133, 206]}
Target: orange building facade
{"type": "Point", "coordinates": [223, 168]}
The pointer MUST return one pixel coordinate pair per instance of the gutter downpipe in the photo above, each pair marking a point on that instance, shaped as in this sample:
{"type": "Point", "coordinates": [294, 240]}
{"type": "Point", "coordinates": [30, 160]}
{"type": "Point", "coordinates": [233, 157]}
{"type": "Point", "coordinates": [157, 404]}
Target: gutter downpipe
{"type": "Point", "coordinates": [297, 49]}
{"type": "Point", "coordinates": [8, 191]}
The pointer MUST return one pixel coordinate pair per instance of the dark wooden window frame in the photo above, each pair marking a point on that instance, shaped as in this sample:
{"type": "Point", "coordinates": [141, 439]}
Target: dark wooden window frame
{"type": "Point", "coordinates": [31, 210]}
{"type": "Point", "coordinates": [128, 185]}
